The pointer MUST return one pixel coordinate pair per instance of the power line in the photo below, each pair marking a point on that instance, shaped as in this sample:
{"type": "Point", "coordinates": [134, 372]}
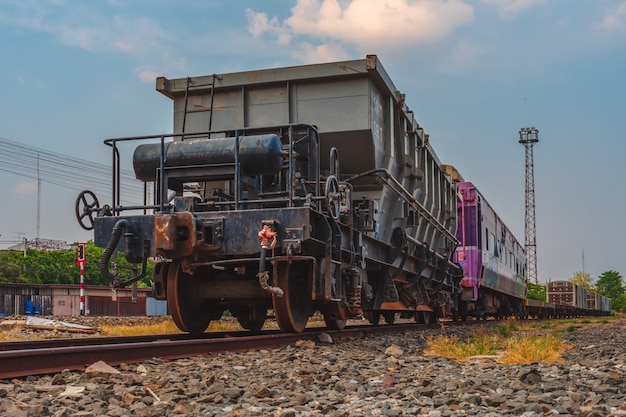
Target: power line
{"type": "Point", "coordinates": [66, 171]}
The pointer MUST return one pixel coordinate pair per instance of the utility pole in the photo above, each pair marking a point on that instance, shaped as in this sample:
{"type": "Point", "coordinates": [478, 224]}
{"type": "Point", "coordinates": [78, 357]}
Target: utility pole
{"type": "Point", "coordinates": [38, 203]}
{"type": "Point", "coordinates": [528, 136]}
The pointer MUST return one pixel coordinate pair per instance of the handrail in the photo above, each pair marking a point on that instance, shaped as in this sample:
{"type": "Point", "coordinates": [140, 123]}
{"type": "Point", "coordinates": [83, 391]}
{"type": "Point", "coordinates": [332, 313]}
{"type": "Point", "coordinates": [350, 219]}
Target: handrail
{"type": "Point", "coordinates": [160, 186]}
{"type": "Point", "coordinates": [403, 192]}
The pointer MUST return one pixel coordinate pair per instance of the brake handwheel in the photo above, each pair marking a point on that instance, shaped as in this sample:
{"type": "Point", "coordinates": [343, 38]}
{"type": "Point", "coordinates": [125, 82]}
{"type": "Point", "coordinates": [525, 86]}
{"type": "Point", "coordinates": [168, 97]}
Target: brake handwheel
{"type": "Point", "coordinates": [333, 196]}
{"type": "Point", "coordinates": [86, 205]}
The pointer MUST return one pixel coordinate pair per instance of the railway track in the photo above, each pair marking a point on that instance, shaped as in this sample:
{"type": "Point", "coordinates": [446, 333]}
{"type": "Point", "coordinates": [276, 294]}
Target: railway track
{"type": "Point", "coordinates": [24, 358]}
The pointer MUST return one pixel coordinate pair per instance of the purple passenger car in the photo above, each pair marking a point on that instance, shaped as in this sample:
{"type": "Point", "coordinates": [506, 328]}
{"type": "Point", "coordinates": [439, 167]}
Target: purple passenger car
{"type": "Point", "coordinates": [493, 261]}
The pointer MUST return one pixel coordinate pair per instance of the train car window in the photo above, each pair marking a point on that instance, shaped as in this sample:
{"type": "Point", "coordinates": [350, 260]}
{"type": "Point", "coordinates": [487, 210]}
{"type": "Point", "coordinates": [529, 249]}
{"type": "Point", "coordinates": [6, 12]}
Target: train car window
{"type": "Point", "coordinates": [487, 245]}
{"type": "Point", "coordinates": [492, 243]}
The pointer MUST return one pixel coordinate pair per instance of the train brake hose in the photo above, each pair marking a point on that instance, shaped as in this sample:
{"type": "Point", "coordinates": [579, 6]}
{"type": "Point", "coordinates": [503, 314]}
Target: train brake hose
{"type": "Point", "coordinates": [103, 265]}
{"type": "Point", "coordinates": [265, 235]}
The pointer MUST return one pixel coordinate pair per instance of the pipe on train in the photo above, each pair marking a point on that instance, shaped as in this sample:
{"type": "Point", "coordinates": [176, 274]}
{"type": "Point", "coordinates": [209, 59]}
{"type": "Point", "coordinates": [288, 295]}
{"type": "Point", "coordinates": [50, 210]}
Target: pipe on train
{"type": "Point", "coordinates": [258, 155]}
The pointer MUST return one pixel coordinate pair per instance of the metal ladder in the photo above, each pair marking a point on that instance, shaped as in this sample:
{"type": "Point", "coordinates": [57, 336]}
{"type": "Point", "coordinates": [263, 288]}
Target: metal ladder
{"type": "Point", "coordinates": [210, 109]}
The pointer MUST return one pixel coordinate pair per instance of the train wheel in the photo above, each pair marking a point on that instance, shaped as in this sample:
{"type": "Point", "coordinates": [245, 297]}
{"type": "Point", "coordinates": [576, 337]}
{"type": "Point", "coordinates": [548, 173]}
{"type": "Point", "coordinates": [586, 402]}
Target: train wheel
{"type": "Point", "coordinates": [373, 317]}
{"type": "Point", "coordinates": [419, 317]}
{"type": "Point", "coordinates": [429, 317]}
{"type": "Point", "coordinates": [456, 316]}
{"type": "Point", "coordinates": [251, 318]}
{"type": "Point", "coordinates": [294, 308]}
{"type": "Point", "coordinates": [389, 316]}
{"type": "Point", "coordinates": [334, 324]}
{"type": "Point", "coordinates": [190, 312]}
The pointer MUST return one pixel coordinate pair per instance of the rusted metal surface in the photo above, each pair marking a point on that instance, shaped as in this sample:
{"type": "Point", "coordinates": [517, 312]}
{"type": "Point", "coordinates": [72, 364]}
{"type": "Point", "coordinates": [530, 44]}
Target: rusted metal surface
{"type": "Point", "coordinates": [175, 234]}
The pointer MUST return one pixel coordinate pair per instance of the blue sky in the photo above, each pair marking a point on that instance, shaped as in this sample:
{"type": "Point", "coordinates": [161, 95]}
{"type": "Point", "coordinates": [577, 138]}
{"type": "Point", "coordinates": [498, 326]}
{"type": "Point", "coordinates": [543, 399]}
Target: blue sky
{"type": "Point", "coordinates": [474, 72]}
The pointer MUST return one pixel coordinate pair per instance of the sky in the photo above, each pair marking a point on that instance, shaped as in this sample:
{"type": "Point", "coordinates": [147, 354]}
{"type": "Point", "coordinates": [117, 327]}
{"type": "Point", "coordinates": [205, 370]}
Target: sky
{"type": "Point", "coordinates": [474, 72]}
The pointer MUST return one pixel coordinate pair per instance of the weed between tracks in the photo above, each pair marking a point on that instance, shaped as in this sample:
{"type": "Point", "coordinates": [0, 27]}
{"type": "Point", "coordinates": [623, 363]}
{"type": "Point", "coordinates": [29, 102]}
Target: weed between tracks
{"type": "Point", "coordinates": [511, 342]}
{"type": "Point", "coordinates": [165, 327]}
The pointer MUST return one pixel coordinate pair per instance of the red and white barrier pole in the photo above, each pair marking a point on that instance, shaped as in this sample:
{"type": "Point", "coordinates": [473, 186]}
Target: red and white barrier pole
{"type": "Point", "coordinates": [80, 259]}
{"type": "Point", "coordinates": [82, 289]}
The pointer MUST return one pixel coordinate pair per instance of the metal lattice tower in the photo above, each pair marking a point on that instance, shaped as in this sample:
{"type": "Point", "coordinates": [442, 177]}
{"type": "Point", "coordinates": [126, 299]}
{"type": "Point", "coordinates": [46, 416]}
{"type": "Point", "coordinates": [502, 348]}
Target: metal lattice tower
{"type": "Point", "coordinates": [528, 136]}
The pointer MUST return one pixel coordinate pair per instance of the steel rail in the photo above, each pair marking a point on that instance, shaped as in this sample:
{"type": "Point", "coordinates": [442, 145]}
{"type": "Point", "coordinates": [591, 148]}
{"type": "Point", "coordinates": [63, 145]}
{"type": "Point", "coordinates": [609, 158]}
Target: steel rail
{"type": "Point", "coordinates": [80, 354]}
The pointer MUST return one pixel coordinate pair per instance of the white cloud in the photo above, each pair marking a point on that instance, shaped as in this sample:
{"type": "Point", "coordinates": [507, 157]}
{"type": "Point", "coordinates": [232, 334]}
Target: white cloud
{"type": "Point", "coordinates": [25, 188]}
{"type": "Point", "coordinates": [321, 25]}
{"type": "Point", "coordinates": [464, 56]}
{"type": "Point", "coordinates": [259, 23]}
{"type": "Point", "coordinates": [509, 9]}
{"type": "Point", "coordinates": [137, 36]}
{"type": "Point", "coordinates": [614, 19]}
{"type": "Point", "coordinates": [310, 54]}
{"type": "Point", "coordinates": [147, 76]}
{"type": "Point", "coordinates": [92, 30]}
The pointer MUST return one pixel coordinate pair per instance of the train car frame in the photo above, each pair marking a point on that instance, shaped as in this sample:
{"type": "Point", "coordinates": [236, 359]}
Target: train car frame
{"type": "Point", "coordinates": [261, 201]}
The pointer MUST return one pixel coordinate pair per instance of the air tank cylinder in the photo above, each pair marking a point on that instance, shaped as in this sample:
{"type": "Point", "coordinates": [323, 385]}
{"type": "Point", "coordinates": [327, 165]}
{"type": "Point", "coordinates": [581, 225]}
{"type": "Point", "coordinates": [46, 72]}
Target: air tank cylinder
{"type": "Point", "coordinates": [258, 155]}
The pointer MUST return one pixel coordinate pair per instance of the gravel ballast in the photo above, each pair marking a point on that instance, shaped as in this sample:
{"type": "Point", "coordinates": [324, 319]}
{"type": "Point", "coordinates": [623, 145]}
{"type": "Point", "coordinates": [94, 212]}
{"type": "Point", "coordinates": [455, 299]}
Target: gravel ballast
{"type": "Point", "coordinates": [379, 376]}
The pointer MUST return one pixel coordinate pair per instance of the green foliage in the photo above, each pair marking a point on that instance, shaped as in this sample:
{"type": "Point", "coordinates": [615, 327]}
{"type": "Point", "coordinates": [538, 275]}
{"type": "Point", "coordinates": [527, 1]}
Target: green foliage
{"type": "Point", "coordinates": [610, 284]}
{"type": "Point", "coordinates": [506, 329]}
{"type": "Point", "coordinates": [536, 292]}
{"type": "Point", "coordinates": [584, 280]}
{"type": "Point", "coordinates": [9, 267]}
{"type": "Point", "coordinates": [59, 267]}
{"type": "Point", "coordinates": [619, 303]}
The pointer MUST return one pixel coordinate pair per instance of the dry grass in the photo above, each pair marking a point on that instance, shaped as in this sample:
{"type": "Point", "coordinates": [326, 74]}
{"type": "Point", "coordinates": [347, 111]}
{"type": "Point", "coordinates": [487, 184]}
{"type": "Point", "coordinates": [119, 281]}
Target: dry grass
{"type": "Point", "coordinates": [164, 327]}
{"type": "Point", "coordinates": [11, 335]}
{"type": "Point", "coordinates": [529, 349]}
{"type": "Point", "coordinates": [507, 343]}
{"type": "Point", "coordinates": [451, 347]}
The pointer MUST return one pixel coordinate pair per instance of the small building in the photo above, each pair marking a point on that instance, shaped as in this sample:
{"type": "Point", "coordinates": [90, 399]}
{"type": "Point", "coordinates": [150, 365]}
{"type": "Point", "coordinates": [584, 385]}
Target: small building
{"type": "Point", "coordinates": [64, 300]}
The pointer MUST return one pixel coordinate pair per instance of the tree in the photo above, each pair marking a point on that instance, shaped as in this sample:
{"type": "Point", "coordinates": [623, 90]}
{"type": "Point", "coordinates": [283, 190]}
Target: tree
{"type": "Point", "coordinates": [59, 267]}
{"type": "Point", "coordinates": [619, 303]}
{"type": "Point", "coordinates": [536, 292]}
{"type": "Point", "coordinates": [9, 267]}
{"type": "Point", "coordinates": [611, 285]}
{"type": "Point", "coordinates": [583, 279]}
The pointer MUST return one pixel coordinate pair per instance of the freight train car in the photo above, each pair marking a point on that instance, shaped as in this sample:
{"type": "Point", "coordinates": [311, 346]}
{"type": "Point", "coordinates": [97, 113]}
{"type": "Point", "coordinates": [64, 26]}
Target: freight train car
{"type": "Point", "coordinates": [569, 299]}
{"type": "Point", "coordinates": [597, 304]}
{"type": "Point", "coordinates": [573, 300]}
{"type": "Point", "coordinates": [493, 261]}
{"type": "Point", "coordinates": [299, 189]}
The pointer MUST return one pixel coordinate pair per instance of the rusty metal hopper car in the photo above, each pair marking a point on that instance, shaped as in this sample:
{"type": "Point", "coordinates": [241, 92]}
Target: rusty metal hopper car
{"type": "Point", "coordinates": [298, 189]}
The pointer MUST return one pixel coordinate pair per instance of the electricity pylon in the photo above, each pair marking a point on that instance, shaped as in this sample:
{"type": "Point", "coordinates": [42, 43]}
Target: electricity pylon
{"type": "Point", "coordinates": [528, 136]}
